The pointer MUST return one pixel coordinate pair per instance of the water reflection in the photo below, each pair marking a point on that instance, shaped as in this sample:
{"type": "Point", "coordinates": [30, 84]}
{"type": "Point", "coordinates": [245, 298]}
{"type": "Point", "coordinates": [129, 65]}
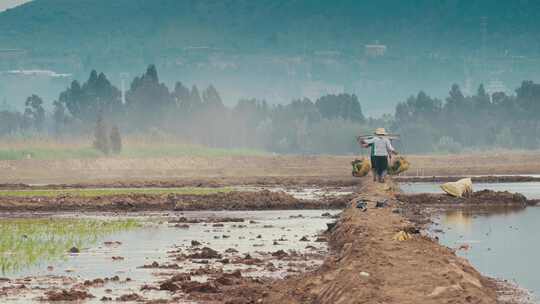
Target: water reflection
{"type": "Point", "coordinates": [530, 189]}
{"type": "Point", "coordinates": [463, 218]}
{"type": "Point", "coordinates": [25, 242]}
{"type": "Point", "coordinates": [501, 242]}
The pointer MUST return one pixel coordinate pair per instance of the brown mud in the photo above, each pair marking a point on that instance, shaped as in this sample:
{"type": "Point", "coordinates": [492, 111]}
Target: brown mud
{"type": "Point", "coordinates": [368, 266]}
{"type": "Point", "coordinates": [484, 198]}
{"type": "Point", "coordinates": [209, 182]}
{"type": "Point", "coordinates": [420, 208]}
{"type": "Point", "coordinates": [475, 179]}
{"type": "Point", "coordinates": [236, 200]}
{"type": "Point", "coordinates": [193, 271]}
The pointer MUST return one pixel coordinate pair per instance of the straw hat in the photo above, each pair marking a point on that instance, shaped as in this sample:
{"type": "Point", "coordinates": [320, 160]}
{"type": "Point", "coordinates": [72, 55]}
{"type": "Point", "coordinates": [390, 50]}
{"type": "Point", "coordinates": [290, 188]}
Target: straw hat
{"type": "Point", "coordinates": [380, 131]}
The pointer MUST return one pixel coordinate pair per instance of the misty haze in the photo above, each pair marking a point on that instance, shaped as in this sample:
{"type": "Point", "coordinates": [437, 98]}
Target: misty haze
{"type": "Point", "coordinates": [269, 151]}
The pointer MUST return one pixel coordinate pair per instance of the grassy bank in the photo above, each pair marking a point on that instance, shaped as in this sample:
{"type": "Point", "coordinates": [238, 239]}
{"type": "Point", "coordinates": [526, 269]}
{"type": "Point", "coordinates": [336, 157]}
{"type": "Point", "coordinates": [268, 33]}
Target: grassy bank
{"type": "Point", "coordinates": [52, 151]}
{"type": "Point", "coordinates": [110, 192]}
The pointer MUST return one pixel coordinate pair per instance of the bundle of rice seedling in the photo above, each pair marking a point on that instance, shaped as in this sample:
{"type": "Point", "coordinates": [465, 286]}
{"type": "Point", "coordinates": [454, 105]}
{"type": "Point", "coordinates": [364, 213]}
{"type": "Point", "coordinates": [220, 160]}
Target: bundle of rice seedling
{"type": "Point", "coordinates": [399, 165]}
{"type": "Point", "coordinates": [361, 167]}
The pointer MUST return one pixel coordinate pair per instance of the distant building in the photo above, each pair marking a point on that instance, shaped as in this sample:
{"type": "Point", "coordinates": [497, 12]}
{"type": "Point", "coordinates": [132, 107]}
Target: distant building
{"type": "Point", "coordinates": [36, 73]}
{"type": "Point", "coordinates": [11, 53]}
{"type": "Point", "coordinates": [328, 53]}
{"type": "Point", "coordinates": [375, 50]}
{"type": "Point", "coordinates": [496, 86]}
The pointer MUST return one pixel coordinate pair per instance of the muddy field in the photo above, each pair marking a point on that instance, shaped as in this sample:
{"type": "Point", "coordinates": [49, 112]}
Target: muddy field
{"type": "Point", "coordinates": [250, 170]}
{"type": "Point", "coordinates": [299, 251]}
{"type": "Point", "coordinates": [295, 256]}
{"type": "Point", "coordinates": [235, 200]}
{"type": "Point", "coordinates": [475, 179]}
{"type": "Point", "coordinates": [198, 256]}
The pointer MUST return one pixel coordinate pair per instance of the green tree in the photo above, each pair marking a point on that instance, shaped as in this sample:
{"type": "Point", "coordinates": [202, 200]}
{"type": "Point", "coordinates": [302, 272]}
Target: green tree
{"type": "Point", "coordinates": [101, 138]}
{"type": "Point", "coordinates": [115, 140]}
{"type": "Point", "coordinates": [60, 117]}
{"type": "Point", "coordinates": [96, 94]}
{"type": "Point", "coordinates": [211, 98]}
{"type": "Point", "coordinates": [344, 106]}
{"type": "Point", "coordinates": [148, 99]}
{"type": "Point", "coordinates": [180, 93]}
{"type": "Point", "coordinates": [10, 122]}
{"type": "Point", "coordinates": [528, 99]}
{"type": "Point", "coordinates": [35, 112]}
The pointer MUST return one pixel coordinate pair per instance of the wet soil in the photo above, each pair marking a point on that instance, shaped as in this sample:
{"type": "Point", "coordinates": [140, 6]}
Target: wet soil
{"type": "Point", "coordinates": [422, 207]}
{"type": "Point", "coordinates": [483, 198]}
{"type": "Point", "coordinates": [236, 200]}
{"type": "Point", "coordinates": [366, 263]}
{"type": "Point", "coordinates": [369, 266]}
{"type": "Point", "coordinates": [215, 182]}
{"type": "Point", "coordinates": [214, 260]}
{"type": "Point", "coordinates": [475, 179]}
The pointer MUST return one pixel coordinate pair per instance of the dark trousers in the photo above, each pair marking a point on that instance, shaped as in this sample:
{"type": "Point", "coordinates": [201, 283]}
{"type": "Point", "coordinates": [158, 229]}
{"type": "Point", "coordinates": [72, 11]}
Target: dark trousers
{"type": "Point", "coordinates": [379, 164]}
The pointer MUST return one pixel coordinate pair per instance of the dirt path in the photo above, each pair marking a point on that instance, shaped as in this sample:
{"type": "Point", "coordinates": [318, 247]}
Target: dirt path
{"type": "Point", "coordinates": [370, 267]}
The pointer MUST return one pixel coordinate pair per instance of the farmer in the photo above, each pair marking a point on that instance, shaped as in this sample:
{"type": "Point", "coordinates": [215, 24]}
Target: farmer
{"type": "Point", "coordinates": [381, 150]}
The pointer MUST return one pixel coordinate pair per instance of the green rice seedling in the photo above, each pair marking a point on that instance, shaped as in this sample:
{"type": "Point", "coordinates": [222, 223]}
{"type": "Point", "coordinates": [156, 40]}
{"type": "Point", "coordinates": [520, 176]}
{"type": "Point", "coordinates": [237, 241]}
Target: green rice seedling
{"type": "Point", "coordinates": [112, 191]}
{"type": "Point", "coordinates": [27, 242]}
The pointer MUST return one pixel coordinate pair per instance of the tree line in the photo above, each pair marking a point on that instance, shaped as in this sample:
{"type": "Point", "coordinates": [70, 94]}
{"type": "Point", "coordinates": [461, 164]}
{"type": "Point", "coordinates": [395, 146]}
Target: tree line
{"type": "Point", "coordinates": [326, 125]}
{"type": "Point", "coordinates": [480, 121]}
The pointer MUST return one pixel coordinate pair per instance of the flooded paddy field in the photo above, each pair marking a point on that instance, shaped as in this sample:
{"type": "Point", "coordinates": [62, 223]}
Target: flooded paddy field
{"type": "Point", "coordinates": [500, 239]}
{"type": "Point", "coordinates": [160, 256]}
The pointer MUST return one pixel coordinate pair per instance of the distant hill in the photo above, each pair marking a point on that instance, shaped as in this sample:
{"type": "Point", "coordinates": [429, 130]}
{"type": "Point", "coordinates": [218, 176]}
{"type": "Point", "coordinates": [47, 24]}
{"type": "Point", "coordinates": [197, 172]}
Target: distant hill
{"type": "Point", "coordinates": [104, 26]}
{"type": "Point", "coordinates": [203, 38]}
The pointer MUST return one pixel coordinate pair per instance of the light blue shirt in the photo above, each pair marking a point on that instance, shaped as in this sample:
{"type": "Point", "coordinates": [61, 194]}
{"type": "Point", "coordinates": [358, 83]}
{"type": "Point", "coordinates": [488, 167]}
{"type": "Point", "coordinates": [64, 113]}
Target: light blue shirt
{"type": "Point", "coordinates": [381, 145]}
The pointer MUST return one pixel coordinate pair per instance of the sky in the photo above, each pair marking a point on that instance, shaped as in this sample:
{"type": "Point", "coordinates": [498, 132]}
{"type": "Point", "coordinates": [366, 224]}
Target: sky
{"type": "Point", "coordinates": [5, 4]}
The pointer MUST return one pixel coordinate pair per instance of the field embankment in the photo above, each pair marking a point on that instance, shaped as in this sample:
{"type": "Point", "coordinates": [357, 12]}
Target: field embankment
{"type": "Point", "coordinates": [166, 201]}
{"type": "Point", "coordinates": [370, 266]}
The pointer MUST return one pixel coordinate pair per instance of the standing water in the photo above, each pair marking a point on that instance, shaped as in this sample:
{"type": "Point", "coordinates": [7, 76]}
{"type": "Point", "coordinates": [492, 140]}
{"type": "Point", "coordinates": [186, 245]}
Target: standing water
{"type": "Point", "coordinates": [120, 257]}
{"type": "Point", "coordinates": [501, 243]}
{"type": "Point", "coordinates": [530, 189]}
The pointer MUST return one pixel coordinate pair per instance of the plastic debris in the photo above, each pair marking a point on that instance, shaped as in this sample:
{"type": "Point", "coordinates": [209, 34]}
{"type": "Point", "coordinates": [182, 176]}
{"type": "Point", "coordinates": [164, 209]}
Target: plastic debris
{"type": "Point", "coordinates": [462, 187]}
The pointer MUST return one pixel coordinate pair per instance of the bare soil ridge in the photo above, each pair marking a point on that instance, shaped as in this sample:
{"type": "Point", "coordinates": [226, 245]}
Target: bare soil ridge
{"type": "Point", "coordinates": [368, 266]}
{"type": "Point", "coordinates": [236, 200]}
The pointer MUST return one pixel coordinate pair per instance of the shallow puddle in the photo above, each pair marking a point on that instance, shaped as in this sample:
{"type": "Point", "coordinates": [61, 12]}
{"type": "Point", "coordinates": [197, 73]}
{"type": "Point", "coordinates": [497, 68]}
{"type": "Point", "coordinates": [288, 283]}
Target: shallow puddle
{"type": "Point", "coordinates": [122, 254]}
{"type": "Point", "coordinates": [304, 193]}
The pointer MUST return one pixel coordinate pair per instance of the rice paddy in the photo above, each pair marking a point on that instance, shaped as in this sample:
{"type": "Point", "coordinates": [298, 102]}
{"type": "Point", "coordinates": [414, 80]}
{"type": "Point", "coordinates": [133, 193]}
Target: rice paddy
{"type": "Point", "coordinates": [28, 242]}
{"type": "Point", "coordinates": [111, 192]}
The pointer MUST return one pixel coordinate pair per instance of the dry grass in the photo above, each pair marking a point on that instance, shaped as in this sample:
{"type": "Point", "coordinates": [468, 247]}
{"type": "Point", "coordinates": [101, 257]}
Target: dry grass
{"type": "Point", "coordinates": [136, 147]}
